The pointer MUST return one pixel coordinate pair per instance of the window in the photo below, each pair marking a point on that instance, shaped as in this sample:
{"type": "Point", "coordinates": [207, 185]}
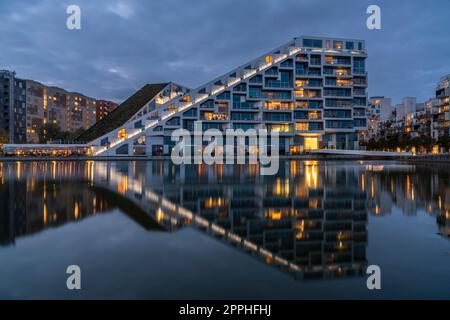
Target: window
{"type": "Point", "coordinates": [349, 45]}
{"type": "Point", "coordinates": [243, 126]}
{"type": "Point", "coordinates": [359, 66]}
{"type": "Point", "coordinates": [359, 122]}
{"type": "Point", "coordinates": [314, 115]}
{"type": "Point", "coordinates": [338, 45]}
{"type": "Point", "coordinates": [224, 96]}
{"type": "Point", "coordinates": [246, 116]}
{"type": "Point", "coordinates": [301, 126]}
{"type": "Point", "coordinates": [240, 87]}
{"type": "Point", "coordinates": [339, 124]}
{"type": "Point", "coordinates": [122, 150]}
{"type": "Point", "coordinates": [337, 114]}
{"type": "Point", "coordinates": [312, 43]}
{"type": "Point", "coordinates": [190, 113]}
{"type": "Point", "coordinates": [277, 105]}
{"type": "Point", "coordinates": [277, 116]}
{"type": "Point", "coordinates": [207, 104]}
{"type": "Point", "coordinates": [254, 92]}
{"type": "Point", "coordinates": [173, 122]}
{"type": "Point", "coordinates": [122, 134]}
{"type": "Point", "coordinates": [287, 64]}
{"type": "Point", "coordinates": [311, 143]}
{"type": "Point", "coordinates": [256, 79]}
{"type": "Point", "coordinates": [302, 115]}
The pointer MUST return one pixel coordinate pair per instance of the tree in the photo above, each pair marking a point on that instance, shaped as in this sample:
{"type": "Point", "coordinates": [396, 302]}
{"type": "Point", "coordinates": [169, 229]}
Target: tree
{"type": "Point", "coordinates": [4, 137]}
{"type": "Point", "coordinates": [427, 143]}
{"type": "Point", "coordinates": [444, 142]}
{"type": "Point", "coordinates": [49, 132]}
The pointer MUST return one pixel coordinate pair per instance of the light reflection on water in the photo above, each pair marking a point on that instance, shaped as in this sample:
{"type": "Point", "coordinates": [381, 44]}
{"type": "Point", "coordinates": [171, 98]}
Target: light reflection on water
{"type": "Point", "coordinates": [310, 221]}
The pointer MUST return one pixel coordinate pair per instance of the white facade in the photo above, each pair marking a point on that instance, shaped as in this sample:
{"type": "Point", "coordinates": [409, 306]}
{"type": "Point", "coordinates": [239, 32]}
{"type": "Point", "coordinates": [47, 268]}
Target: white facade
{"type": "Point", "coordinates": [312, 90]}
{"type": "Point", "coordinates": [407, 106]}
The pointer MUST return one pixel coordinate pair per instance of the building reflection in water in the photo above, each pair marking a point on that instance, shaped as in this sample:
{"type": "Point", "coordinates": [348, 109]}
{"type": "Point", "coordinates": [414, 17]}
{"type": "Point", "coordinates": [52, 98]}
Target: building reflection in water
{"type": "Point", "coordinates": [310, 219]}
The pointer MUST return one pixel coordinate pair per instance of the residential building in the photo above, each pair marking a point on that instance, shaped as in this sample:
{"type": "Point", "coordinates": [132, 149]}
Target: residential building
{"type": "Point", "coordinates": [13, 106]}
{"type": "Point", "coordinates": [312, 91]}
{"type": "Point", "coordinates": [104, 107]}
{"type": "Point", "coordinates": [70, 111]}
{"type": "Point", "coordinates": [441, 113]}
{"type": "Point", "coordinates": [26, 105]}
{"type": "Point", "coordinates": [379, 110]}
{"type": "Point", "coordinates": [408, 106]}
{"type": "Point", "coordinates": [428, 119]}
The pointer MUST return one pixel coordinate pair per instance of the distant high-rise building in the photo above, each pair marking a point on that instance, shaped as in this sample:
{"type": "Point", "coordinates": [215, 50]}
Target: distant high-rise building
{"type": "Point", "coordinates": [13, 106]}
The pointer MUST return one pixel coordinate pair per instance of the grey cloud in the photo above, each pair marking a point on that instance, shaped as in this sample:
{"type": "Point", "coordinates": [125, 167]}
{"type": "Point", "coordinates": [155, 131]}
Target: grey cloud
{"type": "Point", "coordinates": [125, 44]}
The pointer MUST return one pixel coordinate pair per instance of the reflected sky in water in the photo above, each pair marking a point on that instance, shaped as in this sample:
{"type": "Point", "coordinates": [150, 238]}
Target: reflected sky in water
{"type": "Point", "coordinates": [155, 230]}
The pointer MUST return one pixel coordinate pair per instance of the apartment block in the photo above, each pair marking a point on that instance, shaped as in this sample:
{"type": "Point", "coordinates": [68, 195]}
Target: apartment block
{"type": "Point", "coordinates": [70, 111]}
{"type": "Point", "coordinates": [26, 105]}
{"type": "Point", "coordinates": [312, 91]}
{"type": "Point", "coordinates": [441, 114]}
{"type": "Point", "coordinates": [379, 110]}
{"type": "Point", "coordinates": [428, 119]}
{"type": "Point", "coordinates": [104, 108]}
{"type": "Point", "coordinates": [13, 106]}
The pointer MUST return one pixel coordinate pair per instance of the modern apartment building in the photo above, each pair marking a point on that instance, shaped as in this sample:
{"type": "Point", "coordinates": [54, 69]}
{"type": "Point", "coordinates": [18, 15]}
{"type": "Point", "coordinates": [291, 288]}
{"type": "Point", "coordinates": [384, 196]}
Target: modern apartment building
{"type": "Point", "coordinates": [13, 106]}
{"type": "Point", "coordinates": [26, 105]}
{"type": "Point", "coordinates": [312, 90]}
{"type": "Point", "coordinates": [428, 119]}
{"type": "Point", "coordinates": [379, 110]}
{"type": "Point", "coordinates": [70, 111]}
{"type": "Point", "coordinates": [441, 113]}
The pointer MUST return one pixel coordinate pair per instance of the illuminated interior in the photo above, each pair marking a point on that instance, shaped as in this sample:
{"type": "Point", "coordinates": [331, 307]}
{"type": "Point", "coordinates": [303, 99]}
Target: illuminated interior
{"type": "Point", "coordinates": [311, 143]}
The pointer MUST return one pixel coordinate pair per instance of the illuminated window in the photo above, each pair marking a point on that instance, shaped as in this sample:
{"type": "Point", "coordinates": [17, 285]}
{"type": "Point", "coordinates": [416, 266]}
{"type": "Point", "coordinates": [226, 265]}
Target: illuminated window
{"type": "Point", "coordinates": [122, 134]}
{"type": "Point", "coordinates": [301, 83]}
{"type": "Point", "coordinates": [314, 115]}
{"type": "Point", "coordinates": [186, 99]}
{"type": "Point", "coordinates": [343, 82]}
{"type": "Point", "coordinates": [301, 126]}
{"type": "Point", "coordinates": [277, 105]}
{"type": "Point", "coordinates": [279, 127]}
{"type": "Point", "coordinates": [338, 45]}
{"type": "Point", "coordinates": [311, 143]}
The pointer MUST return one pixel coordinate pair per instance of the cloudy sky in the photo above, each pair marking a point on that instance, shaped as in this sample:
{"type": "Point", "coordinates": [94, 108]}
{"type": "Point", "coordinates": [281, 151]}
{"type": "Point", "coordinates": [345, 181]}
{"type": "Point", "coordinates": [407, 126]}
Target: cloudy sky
{"type": "Point", "coordinates": [124, 44]}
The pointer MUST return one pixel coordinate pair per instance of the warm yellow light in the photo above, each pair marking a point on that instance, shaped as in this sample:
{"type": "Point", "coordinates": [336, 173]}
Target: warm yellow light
{"type": "Point", "coordinates": [122, 134]}
{"type": "Point", "coordinates": [311, 143]}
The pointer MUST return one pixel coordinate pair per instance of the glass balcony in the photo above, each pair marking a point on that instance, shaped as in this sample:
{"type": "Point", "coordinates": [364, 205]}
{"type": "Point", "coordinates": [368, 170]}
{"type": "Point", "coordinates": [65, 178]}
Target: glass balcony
{"type": "Point", "coordinates": [278, 84]}
{"type": "Point", "coordinates": [244, 105]}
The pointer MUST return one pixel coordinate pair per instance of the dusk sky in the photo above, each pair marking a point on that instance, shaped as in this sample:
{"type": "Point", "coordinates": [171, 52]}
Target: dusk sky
{"type": "Point", "coordinates": [124, 44]}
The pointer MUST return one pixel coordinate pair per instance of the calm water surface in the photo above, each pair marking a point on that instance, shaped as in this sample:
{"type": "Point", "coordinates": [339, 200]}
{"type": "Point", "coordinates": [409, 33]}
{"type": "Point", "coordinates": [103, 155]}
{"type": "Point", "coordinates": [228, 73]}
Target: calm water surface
{"type": "Point", "coordinates": [154, 230]}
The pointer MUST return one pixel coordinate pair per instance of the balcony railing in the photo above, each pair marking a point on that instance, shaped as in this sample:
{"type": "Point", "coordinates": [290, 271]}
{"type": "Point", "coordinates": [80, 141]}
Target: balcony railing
{"type": "Point", "coordinates": [337, 72]}
{"type": "Point", "coordinates": [278, 84]}
{"type": "Point", "coordinates": [337, 94]}
{"type": "Point", "coordinates": [338, 61]}
{"type": "Point", "coordinates": [301, 72]}
{"type": "Point", "coordinates": [244, 105]}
